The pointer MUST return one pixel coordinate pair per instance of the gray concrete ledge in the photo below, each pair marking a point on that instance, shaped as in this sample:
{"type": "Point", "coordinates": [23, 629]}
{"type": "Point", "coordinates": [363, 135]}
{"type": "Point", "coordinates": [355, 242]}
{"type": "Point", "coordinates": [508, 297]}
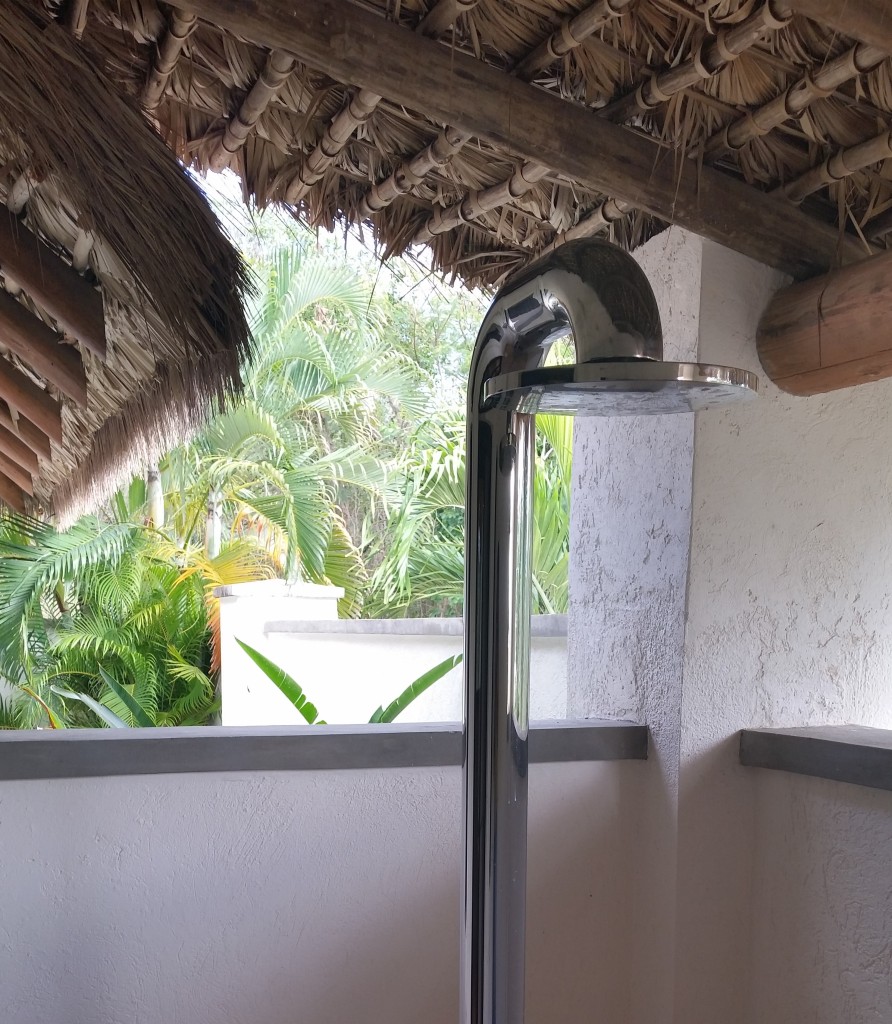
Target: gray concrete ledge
{"type": "Point", "coordinates": [856, 754]}
{"type": "Point", "coordinates": [540, 625]}
{"type": "Point", "coordinates": [88, 753]}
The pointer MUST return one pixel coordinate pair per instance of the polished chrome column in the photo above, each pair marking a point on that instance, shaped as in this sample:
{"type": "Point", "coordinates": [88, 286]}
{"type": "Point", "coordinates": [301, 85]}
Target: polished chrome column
{"type": "Point", "coordinates": [499, 467]}
{"type": "Point", "coordinates": [600, 292]}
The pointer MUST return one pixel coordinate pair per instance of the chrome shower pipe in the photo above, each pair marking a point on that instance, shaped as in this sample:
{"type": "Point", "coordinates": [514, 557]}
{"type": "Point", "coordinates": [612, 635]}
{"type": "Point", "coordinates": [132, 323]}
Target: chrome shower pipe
{"type": "Point", "coordinates": [596, 291]}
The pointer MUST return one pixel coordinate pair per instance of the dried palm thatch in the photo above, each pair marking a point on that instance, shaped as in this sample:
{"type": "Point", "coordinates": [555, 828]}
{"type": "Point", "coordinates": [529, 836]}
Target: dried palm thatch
{"type": "Point", "coordinates": [747, 90]}
{"type": "Point", "coordinates": [745, 85]}
{"type": "Point", "coordinates": [97, 177]}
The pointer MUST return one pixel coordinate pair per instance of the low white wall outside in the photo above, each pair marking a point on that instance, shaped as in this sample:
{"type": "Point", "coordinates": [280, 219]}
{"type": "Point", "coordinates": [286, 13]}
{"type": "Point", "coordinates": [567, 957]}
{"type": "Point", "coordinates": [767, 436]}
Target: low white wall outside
{"type": "Point", "coordinates": [318, 898]}
{"type": "Point", "coordinates": [350, 668]}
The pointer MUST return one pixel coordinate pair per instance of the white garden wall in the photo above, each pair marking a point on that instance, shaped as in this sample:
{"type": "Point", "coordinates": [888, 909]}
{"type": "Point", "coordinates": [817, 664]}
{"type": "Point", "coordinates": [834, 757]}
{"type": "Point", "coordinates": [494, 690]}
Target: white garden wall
{"type": "Point", "coordinates": [348, 668]}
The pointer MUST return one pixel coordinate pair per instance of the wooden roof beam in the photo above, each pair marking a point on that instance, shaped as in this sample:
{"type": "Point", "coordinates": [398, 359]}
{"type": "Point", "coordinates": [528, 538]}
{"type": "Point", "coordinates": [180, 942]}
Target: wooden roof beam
{"type": "Point", "coordinates": [350, 43]}
{"type": "Point", "coordinates": [42, 349]}
{"type": "Point", "coordinates": [23, 429]}
{"type": "Point", "coordinates": [410, 173]}
{"type": "Point", "coordinates": [711, 58]}
{"type": "Point", "coordinates": [167, 52]}
{"type": "Point", "coordinates": [54, 285]}
{"type": "Point", "coordinates": [30, 401]}
{"type": "Point", "coordinates": [16, 449]}
{"type": "Point", "coordinates": [867, 20]}
{"type": "Point", "coordinates": [278, 67]}
{"type": "Point", "coordinates": [359, 107]}
{"type": "Point", "coordinates": [830, 332]}
{"type": "Point", "coordinates": [11, 495]}
{"type": "Point", "coordinates": [794, 100]}
{"type": "Point", "coordinates": [20, 477]}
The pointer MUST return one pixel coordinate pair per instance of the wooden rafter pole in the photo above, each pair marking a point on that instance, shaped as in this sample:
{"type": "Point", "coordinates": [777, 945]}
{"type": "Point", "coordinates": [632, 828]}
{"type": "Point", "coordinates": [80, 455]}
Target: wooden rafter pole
{"type": "Point", "coordinates": [76, 17]}
{"type": "Point", "coordinates": [40, 347]}
{"type": "Point", "coordinates": [278, 67]}
{"type": "Point", "coordinates": [167, 53]}
{"type": "Point", "coordinates": [474, 204]}
{"type": "Point", "coordinates": [53, 285]}
{"type": "Point", "coordinates": [359, 107]}
{"type": "Point", "coordinates": [867, 20]}
{"type": "Point", "coordinates": [30, 401]}
{"type": "Point", "coordinates": [36, 440]}
{"type": "Point", "coordinates": [410, 173]}
{"type": "Point", "coordinates": [711, 57]}
{"type": "Point", "coordinates": [350, 43]}
{"type": "Point", "coordinates": [444, 14]}
{"type": "Point", "coordinates": [794, 100]}
{"type": "Point", "coordinates": [839, 165]}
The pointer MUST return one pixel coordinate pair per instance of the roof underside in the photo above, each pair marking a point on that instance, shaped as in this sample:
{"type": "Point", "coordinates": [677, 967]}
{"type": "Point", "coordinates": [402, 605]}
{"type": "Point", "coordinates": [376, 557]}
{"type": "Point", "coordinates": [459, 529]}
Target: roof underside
{"type": "Point", "coordinates": [741, 94]}
{"type": "Point", "coordinates": [490, 130]}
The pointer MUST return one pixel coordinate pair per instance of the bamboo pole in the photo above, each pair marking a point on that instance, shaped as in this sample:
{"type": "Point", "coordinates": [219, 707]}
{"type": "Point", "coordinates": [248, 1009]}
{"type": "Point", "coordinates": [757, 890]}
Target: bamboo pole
{"type": "Point", "coordinates": [411, 172]}
{"type": "Point", "coordinates": [476, 203]}
{"type": "Point", "coordinates": [30, 401]}
{"type": "Point", "coordinates": [711, 56]}
{"type": "Point", "coordinates": [359, 107]}
{"type": "Point", "coordinates": [794, 100]}
{"type": "Point", "coordinates": [167, 52]}
{"type": "Point", "coordinates": [278, 67]}
{"type": "Point", "coordinates": [26, 431]}
{"type": "Point", "coordinates": [53, 285]}
{"type": "Point", "coordinates": [839, 166]}
{"type": "Point", "coordinates": [76, 17]}
{"type": "Point", "coordinates": [40, 347]}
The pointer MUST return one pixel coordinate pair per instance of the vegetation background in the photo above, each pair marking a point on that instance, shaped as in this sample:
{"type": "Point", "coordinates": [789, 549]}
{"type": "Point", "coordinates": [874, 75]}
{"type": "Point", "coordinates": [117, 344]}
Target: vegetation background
{"type": "Point", "coordinates": [342, 463]}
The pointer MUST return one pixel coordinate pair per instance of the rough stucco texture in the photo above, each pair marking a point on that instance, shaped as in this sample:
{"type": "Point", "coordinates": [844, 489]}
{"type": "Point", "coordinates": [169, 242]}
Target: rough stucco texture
{"type": "Point", "coordinates": [287, 897]}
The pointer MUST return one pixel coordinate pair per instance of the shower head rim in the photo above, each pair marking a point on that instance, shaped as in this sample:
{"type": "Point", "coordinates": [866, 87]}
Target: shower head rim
{"type": "Point", "coordinates": [524, 390]}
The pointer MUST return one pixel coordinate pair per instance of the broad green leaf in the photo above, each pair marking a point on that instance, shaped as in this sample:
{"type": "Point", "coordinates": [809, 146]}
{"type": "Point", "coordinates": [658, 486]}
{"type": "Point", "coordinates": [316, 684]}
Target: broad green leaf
{"type": "Point", "coordinates": [107, 716]}
{"type": "Point", "coordinates": [289, 686]}
{"type": "Point", "coordinates": [122, 693]}
{"type": "Point", "coordinates": [415, 689]}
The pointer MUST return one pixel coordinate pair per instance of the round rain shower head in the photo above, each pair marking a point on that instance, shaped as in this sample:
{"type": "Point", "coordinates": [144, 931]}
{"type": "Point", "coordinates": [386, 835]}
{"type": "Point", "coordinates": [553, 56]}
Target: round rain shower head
{"type": "Point", "coordinates": [624, 388]}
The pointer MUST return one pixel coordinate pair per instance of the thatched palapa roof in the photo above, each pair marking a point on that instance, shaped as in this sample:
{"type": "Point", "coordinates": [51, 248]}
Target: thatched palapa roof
{"type": "Point", "coordinates": [120, 314]}
{"type": "Point", "coordinates": [414, 117]}
{"type": "Point", "coordinates": [490, 130]}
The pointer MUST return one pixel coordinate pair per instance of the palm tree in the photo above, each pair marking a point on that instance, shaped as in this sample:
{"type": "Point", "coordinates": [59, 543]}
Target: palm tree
{"type": "Point", "coordinates": [303, 456]}
{"type": "Point", "coordinates": [111, 616]}
{"type": "Point", "coordinates": [421, 569]}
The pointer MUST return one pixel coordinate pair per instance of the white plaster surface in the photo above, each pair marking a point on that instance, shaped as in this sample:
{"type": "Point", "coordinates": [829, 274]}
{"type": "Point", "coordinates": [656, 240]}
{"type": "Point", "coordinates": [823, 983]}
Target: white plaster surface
{"type": "Point", "coordinates": [349, 675]}
{"type": "Point", "coordinates": [318, 898]}
{"type": "Point", "coordinates": [751, 901]}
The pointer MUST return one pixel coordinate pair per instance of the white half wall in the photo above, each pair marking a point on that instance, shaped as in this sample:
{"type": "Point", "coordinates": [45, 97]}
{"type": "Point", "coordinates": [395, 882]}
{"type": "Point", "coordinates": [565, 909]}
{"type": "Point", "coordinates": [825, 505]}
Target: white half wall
{"type": "Point", "coordinates": [318, 898]}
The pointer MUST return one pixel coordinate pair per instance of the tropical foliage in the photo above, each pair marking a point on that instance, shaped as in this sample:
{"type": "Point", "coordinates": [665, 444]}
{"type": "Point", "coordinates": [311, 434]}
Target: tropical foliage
{"type": "Point", "coordinates": [343, 464]}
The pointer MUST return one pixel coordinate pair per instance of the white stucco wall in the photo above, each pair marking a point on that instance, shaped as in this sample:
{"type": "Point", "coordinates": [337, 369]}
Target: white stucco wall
{"type": "Point", "coordinates": [319, 898]}
{"type": "Point", "coordinates": [736, 573]}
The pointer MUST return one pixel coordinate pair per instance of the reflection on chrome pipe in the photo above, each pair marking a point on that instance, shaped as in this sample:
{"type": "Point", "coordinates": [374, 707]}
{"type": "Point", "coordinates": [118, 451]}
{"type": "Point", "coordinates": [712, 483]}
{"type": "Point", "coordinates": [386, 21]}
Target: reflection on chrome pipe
{"type": "Point", "coordinates": [600, 293]}
{"type": "Point", "coordinates": [497, 716]}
